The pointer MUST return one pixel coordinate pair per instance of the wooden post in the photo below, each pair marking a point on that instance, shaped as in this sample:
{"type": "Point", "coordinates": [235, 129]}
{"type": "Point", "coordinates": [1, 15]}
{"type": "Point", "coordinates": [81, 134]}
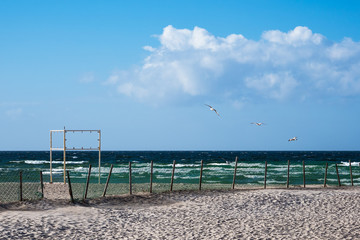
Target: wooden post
{"type": "Point", "coordinates": [172, 176]}
{"type": "Point", "coordinates": [130, 183]}
{"type": "Point", "coordinates": [87, 182]}
{"type": "Point", "coordinates": [70, 190]}
{"type": "Point", "coordinates": [21, 195]}
{"type": "Point", "coordinates": [151, 175]}
{"type": "Point", "coordinates": [304, 172]}
{"type": "Point", "coordinates": [50, 156]}
{"type": "Point", "coordinates": [351, 176]}
{"type": "Point", "coordinates": [265, 175]}
{"type": "Point", "coordinates": [64, 155]}
{"type": "Point", "coordinates": [338, 176]}
{"type": "Point", "coordinates": [42, 185]}
{"type": "Point", "coordinates": [99, 132]}
{"type": "Point", "coordinates": [107, 181]}
{"type": "Point", "coordinates": [236, 161]}
{"type": "Point", "coordinates": [201, 171]}
{"type": "Point", "coordinates": [288, 175]}
{"type": "Point", "coordinates": [326, 168]}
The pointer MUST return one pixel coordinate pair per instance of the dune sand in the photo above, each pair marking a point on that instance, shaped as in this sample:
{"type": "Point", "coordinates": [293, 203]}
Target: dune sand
{"type": "Point", "coordinates": [311, 213]}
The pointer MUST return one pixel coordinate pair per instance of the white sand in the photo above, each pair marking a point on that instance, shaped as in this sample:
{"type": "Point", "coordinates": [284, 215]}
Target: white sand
{"type": "Point", "coordinates": [242, 214]}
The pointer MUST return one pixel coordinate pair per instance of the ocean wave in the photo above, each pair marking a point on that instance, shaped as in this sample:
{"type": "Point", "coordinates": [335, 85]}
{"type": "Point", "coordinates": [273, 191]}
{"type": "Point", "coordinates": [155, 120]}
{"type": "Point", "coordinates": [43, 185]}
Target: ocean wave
{"type": "Point", "coordinates": [274, 182]}
{"type": "Point", "coordinates": [162, 177]}
{"type": "Point", "coordinates": [36, 161]}
{"type": "Point", "coordinates": [218, 169]}
{"type": "Point", "coordinates": [54, 162]}
{"type": "Point", "coordinates": [80, 169]}
{"type": "Point", "coordinates": [162, 170]}
{"type": "Point", "coordinates": [352, 164]}
{"type": "Point", "coordinates": [181, 165]}
{"type": "Point", "coordinates": [189, 177]}
{"type": "Point", "coordinates": [54, 171]}
{"type": "Point", "coordinates": [217, 164]}
{"type": "Point", "coordinates": [242, 164]}
{"type": "Point", "coordinates": [105, 170]}
{"type": "Point", "coordinates": [280, 169]}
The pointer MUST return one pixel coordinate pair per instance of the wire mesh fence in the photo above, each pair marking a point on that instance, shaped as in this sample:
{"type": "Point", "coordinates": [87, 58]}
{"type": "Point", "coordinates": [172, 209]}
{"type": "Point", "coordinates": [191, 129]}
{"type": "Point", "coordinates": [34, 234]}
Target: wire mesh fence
{"type": "Point", "coordinates": [20, 185]}
{"type": "Point", "coordinates": [134, 178]}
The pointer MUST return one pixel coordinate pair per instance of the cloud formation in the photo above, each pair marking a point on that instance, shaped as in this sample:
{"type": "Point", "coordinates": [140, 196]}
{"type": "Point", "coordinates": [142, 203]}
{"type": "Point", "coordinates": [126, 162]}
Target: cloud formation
{"type": "Point", "coordinates": [195, 63]}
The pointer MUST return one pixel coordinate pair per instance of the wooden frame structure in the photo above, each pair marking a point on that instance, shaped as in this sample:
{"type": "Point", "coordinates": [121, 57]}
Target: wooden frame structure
{"type": "Point", "coordinates": [64, 148]}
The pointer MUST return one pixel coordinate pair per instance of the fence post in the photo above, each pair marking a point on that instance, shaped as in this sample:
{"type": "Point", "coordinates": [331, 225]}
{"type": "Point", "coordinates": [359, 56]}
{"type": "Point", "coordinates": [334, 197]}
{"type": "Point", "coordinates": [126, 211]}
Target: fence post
{"type": "Point", "coordinates": [326, 167]}
{"type": "Point", "coordinates": [42, 185]}
{"type": "Point", "coordinates": [151, 175]}
{"type": "Point", "coordinates": [70, 190]}
{"type": "Point", "coordinates": [130, 183]}
{"type": "Point", "coordinates": [304, 172]}
{"type": "Point", "coordinates": [172, 176]}
{"type": "Point", "coordinates": [21, 195]}
{"type": "Point", "coordinates": [265, 175]}
{"type": "Point", "coordinates": [201, 171]}
{"type": "Point", "coordinates": [351, 176]}
{"type": "Point", "coordinates": [288, 175]}
{"type": "Point", "coordinates": [236, 161]}
{"type": "Point", "coordinates": [87, 183]}
{"type": "Point", "coordinates": [107, 181]}
{"type": "Point", "coordinates": [337, 173]}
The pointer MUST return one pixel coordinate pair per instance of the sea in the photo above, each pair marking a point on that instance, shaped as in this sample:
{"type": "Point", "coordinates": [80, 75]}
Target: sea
{"type": "Point", "coordinates": [218, 166]}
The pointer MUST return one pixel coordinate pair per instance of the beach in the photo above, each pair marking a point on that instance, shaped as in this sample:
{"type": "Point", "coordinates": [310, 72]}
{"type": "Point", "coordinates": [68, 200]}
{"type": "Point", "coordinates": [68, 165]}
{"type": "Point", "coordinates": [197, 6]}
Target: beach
{"type": "Point", "coordinates": [296, 213]}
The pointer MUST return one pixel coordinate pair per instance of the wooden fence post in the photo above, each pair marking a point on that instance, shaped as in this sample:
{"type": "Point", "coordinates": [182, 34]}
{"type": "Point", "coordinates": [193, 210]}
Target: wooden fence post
{"type": "Point", "coordinates": [21, 192]}
{"type": "Point", "coordinates": [351, 176]}
{"type": "Point", "coordinates": [288, 175]}
{"type": "Point", "coordinates": [70, 190]}
{"type": "Point", "coordinates": [107, 180]}
{"type": "Point", "coordinates": [151, 175]}
{"type": "Point", "coordinates": [337, 173]}
{"type": "Point", "coordinates": [130, 183]}
{"type": "Point", "coordinates": [236, 161]}
{"type": "Point", "coordinates": [201, 171]}
{"type": "Point", "coordinates": [326, 168]}
{"type": "Point", "coordinates": [87, 183]}
{"type": "Point", "coordinates": [265, 175]}
{"type": "Point", "coordinates": [304, 172]}
{"type": "Point", "coordinates": [42, 185]}
{"type": "Point", "coordinates": [172, 176]}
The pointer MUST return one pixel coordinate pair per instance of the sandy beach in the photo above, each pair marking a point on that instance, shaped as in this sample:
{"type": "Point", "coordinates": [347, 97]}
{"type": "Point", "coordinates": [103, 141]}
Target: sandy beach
{"type": "Point", "coordinates": [311, 213]}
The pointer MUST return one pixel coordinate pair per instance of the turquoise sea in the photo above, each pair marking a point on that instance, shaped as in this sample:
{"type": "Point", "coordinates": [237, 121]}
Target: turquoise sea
{"type": "Point", "coordinates": [218, 166]}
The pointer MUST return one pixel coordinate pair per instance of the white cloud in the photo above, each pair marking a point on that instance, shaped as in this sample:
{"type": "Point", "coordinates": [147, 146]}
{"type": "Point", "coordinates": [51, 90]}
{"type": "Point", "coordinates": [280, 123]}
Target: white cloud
{"type": "Point", "coordinates": [275, 85]}
{"type": "Point", "coordinates": [344, 50]}
{"type": "Point", "coordinates": [149, 48]}
{"type": "Point", "coordinates": [87, 77]}
{"type": "Point", "coordinates": [196, 63]}
{"type": "Point", "coordinates": [14, 113]}
{"type": "Point", "coordinates": [297, 37]}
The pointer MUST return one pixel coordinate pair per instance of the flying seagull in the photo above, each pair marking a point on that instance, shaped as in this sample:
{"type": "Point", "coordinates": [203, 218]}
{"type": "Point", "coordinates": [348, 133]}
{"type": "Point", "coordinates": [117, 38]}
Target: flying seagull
{"type": "Point", "coordinates": [258, 123]}
{"type": "Point", "coordinates": [213, 109]}
{"type": "Point", "coordinates": [293, 139]}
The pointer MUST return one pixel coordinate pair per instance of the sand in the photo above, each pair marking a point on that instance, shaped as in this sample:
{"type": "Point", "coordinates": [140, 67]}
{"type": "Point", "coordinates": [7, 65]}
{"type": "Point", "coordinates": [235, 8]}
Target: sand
{"type": "Point", "coordinates": [317, 213]}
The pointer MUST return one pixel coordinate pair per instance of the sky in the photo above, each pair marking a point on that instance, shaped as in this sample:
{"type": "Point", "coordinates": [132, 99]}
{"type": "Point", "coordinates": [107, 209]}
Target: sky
{"type": "Point", "coordinates": [142, 72]}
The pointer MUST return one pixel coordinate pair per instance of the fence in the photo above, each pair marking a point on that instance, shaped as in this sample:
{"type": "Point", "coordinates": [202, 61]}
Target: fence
{"type": "Point", "coordinates": [157, 178]}
{"type": "Point", "coordinates": [21, 185]}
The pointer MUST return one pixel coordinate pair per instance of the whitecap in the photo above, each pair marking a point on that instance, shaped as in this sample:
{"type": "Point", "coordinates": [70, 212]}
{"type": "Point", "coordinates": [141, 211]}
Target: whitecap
{"type": "Point", "coordinates": [36, 161]}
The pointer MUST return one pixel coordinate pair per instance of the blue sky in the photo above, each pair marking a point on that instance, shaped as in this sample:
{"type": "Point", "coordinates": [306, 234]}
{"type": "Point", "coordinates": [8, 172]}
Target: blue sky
{"type": "Point", "coordinates": [141, 71]}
